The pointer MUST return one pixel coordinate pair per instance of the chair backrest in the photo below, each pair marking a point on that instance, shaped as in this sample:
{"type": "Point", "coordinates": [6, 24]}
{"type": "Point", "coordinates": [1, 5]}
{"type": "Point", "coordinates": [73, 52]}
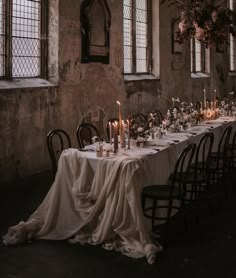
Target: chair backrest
{"type": "Point", "coordinates": [84, 133]}
{"type": "Point", "coordinates": [182, 166]}
{"type": "Point", "coordinates": [57, 141]}
{"type": "Point", "coordinates": [140, 118]}
{"type": "Point", "coordinates": [203, 152]}
{"type": "Point", "coordinates": [223, 146]}
{"type": "Point", "coordinates": [159, 117]}
{"type": "Point", "coordinates": [111, 120]}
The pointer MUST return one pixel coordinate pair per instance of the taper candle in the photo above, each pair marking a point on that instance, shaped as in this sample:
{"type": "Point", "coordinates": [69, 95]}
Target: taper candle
{"type": "Point", "coordinates": [128, 127]}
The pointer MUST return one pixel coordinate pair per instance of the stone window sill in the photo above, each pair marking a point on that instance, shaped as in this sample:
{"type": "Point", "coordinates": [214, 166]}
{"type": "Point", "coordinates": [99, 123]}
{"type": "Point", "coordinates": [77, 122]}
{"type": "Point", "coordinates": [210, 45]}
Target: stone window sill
{"type": "Point", "coordinates": [200, 75]}
{"type": "Point", "coordinates": [232, 73]}
{"type": "Point", "coordinates": [136, 77]}
{"type": "Point", "coordinates": [23, 83]}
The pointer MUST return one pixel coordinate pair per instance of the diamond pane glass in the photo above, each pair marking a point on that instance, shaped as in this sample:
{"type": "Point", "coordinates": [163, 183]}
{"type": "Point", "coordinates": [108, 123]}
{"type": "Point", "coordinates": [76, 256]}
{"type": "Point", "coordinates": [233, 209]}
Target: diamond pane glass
{"type": "Point", "coordinates": [198, 56]}
{"type": "Point", "coordinates": [127, 35]}
{"type": "Point", "coordinates": [141, 36]}
{"type": "Point", "coordinates": [26, 35]}
{"type": "Point", "coordinates": [232, 53]}
{"type": "Point", "coordinates": [2, 38]}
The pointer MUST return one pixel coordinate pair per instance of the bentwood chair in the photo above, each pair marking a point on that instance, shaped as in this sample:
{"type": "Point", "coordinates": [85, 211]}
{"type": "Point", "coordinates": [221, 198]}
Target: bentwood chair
{"type": "Point", "coordinates": [198, 177]}
{"type": "Point", "coordinates": [57, 141]}
{"type": "Point", "coordinates": [168, 198]}
{"type": "Point", "coordinates": [159, 117]}
{"type": "Point", "coordinates": [140, 118]}
{"type": "Point", "coordinates": [232, 148]}
{"type": "Point", "coordinates": [85, 133]}
{"type": "Point", "coordinates": [220, 160]}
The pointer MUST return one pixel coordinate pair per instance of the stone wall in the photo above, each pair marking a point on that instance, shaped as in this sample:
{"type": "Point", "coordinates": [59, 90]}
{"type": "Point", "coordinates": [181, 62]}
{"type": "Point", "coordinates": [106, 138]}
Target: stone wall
{"type": "Point", "coordinates": [89, 91]}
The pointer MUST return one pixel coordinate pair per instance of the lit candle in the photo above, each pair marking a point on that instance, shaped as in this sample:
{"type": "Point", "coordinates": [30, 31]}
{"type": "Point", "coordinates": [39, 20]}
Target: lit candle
{"type": "Point", "coordinates": [110, 132]}
{"type": "Point", "coordinates": [120, 119]}
{"type": "Point", "coordinates": [115, 137]}
{"type": "Point", "coordinates": [128, 127]}
{"type": "Point", "coordinates": [122, 135]}
{"type": "Point", "coordinates": [204, 99]}
{"type": "Point", "coordinates": [214, 99]}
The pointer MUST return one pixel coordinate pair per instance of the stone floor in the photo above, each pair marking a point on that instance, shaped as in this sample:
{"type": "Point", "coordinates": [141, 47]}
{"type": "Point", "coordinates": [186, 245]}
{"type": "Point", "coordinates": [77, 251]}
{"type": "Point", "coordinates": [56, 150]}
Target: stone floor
{"type": "Point", "coordinates": [208, 249]}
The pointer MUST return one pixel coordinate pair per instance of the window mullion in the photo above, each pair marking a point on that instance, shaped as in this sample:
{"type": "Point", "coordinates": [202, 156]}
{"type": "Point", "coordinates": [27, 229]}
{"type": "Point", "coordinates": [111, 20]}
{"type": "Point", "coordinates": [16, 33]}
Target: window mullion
{"type": "Point", "coordinates": [194, 54]}
{"type": "Point", "coordinates": [149, 36]}
{"type": "Point", "coordinates": [8, 39]}
{"type": "Point", "coordinates": [44, 38]}
{"type": "Point", "coordinates": [134, 36]}
{"type": "Point", "coordinates": [203, 56]}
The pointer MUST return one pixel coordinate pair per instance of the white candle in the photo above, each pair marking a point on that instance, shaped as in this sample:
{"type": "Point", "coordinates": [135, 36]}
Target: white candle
{"type": "Point", "coordinates": [122, 135]}
{"type": "Point", "coordinates": [110, 132]}
{"type": "Point", "coordinates": [204, 99]}
{"type": "Point", "coordinates": [128, 133]}
{"type": "Point", "coordinates": [120, 119]}
{"type": "Point", "coordinates": [115, 137]}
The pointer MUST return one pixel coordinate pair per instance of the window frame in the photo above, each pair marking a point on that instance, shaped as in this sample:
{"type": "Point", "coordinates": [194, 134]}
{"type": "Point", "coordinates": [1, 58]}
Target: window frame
{"type": "Point", "coordinates": [232, 44]}
{"type": "Point", "coordinates": [204, 63]}
{"type": "Point", "coordinates": [149, 58]}
{"type": "Point", "coordinates": [44, 6]}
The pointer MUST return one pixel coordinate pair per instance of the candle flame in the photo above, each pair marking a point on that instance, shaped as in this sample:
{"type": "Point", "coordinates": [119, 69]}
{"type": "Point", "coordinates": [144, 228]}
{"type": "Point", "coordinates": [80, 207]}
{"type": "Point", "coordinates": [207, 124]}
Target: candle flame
{"type": "Point", "coordinates": [118, 102]}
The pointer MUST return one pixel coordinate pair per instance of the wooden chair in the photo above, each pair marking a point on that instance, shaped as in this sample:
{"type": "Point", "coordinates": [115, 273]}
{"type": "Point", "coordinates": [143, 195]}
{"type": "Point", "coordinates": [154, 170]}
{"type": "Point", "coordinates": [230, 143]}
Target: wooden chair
{"type": "Point", "coordinates": [84, 133]}
{"type": "Point", "coordinates": [57, 141]}
{"type": "Point", "coordinates": [169, 193]}
{"type": "Point", "coordinates": [198, 177]}
{"type": "Point", "coordinates": [140, 118]}
{"type": "Point", "coordinates": [220, 160]}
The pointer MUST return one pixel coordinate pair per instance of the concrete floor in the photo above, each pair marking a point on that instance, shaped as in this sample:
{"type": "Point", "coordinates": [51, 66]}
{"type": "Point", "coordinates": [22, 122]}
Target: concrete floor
{"type": "Point", "coordinates": [208, 249]}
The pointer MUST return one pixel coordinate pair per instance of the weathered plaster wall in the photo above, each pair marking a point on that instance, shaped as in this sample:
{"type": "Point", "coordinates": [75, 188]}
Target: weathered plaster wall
{"type": "Point", "coordinates": [90, 90]}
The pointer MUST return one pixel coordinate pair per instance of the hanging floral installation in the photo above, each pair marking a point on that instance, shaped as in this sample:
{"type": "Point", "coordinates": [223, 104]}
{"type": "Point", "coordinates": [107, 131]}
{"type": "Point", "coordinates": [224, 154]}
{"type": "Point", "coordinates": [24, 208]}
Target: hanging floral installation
{"type": "Point", "coordinates": [205, 21]}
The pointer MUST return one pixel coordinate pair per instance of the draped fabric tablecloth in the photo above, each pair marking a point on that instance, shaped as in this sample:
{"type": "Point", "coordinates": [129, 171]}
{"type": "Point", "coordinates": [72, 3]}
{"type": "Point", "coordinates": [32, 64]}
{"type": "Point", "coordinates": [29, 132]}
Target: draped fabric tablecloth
{"type": "Point", "coordinates": [101, 207]}
{"type": "Point", "coordinates": [97, 200]}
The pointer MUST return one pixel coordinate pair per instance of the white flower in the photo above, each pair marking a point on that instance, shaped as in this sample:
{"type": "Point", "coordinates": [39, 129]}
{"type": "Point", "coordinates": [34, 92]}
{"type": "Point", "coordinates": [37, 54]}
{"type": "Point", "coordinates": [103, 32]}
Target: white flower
{"type": "Point", "coordinates": [95, 139]}
{"type": "Point", "coordinates": [140, 129]}
{"type": "Point", "coordinates": [140, 139]}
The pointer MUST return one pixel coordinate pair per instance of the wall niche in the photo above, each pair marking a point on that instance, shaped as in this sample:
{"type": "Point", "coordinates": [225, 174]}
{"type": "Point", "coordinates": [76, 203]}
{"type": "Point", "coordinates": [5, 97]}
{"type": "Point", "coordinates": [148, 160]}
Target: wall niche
{"type": "Point", "coordinates": [95, 21]}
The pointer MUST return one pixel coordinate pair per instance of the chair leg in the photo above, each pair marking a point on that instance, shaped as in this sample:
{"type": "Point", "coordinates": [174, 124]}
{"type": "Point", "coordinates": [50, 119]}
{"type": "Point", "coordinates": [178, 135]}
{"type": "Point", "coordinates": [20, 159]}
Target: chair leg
{"type": "Point", "coordinates": [154, 204]}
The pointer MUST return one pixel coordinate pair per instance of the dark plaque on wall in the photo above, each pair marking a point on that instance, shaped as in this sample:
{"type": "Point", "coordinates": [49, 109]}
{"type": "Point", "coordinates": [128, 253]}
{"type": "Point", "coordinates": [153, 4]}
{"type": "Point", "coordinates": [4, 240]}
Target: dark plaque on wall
{"type": "Point", "coordinates": [95, 21]}
{"type": "Point", "coordinates": [177, 48]}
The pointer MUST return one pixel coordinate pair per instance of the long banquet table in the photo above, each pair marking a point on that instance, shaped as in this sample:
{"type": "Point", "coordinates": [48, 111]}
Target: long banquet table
{"type": "Point", "coordinates": [96, 200]}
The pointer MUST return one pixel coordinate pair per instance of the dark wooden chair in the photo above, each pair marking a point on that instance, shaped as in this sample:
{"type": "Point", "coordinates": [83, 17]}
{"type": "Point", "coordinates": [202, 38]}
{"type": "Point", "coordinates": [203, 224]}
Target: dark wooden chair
{"type": "Point", "coordinates": [220, 159]}
{"type": "Point", "coordinates": [198, 177]}
{"type": "Point", "coordinates": [84, 133]}
{"type": "Point", "coordinates": [159, 117]}
{"type": "Point", "coordinates": [57, 141]}
{"type": "Point", "coordinates": [140, 118]}
{"type": "Point", "coordinates": [173, 194]}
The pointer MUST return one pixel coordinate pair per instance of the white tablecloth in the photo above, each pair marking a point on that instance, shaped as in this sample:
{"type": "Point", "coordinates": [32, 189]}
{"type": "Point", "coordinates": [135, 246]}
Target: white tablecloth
{"type": "Point", "coordinates": [97, 200]}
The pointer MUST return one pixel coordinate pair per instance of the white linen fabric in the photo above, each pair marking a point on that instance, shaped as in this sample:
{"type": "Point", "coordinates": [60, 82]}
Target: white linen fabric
{"type": "Point", "coordinates": [97, 200]}
{"type": "Point", "coordinates": [96, 208]}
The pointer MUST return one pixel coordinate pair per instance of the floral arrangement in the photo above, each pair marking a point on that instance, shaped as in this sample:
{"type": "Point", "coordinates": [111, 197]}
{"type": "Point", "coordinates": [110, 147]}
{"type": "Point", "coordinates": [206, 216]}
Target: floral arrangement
{"type": "Point", "coordinates": [205, 21]}
{"type": "Point", "coordinates": [138, 131]}
{"type": "Point", "coordinates": [179, 118]}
